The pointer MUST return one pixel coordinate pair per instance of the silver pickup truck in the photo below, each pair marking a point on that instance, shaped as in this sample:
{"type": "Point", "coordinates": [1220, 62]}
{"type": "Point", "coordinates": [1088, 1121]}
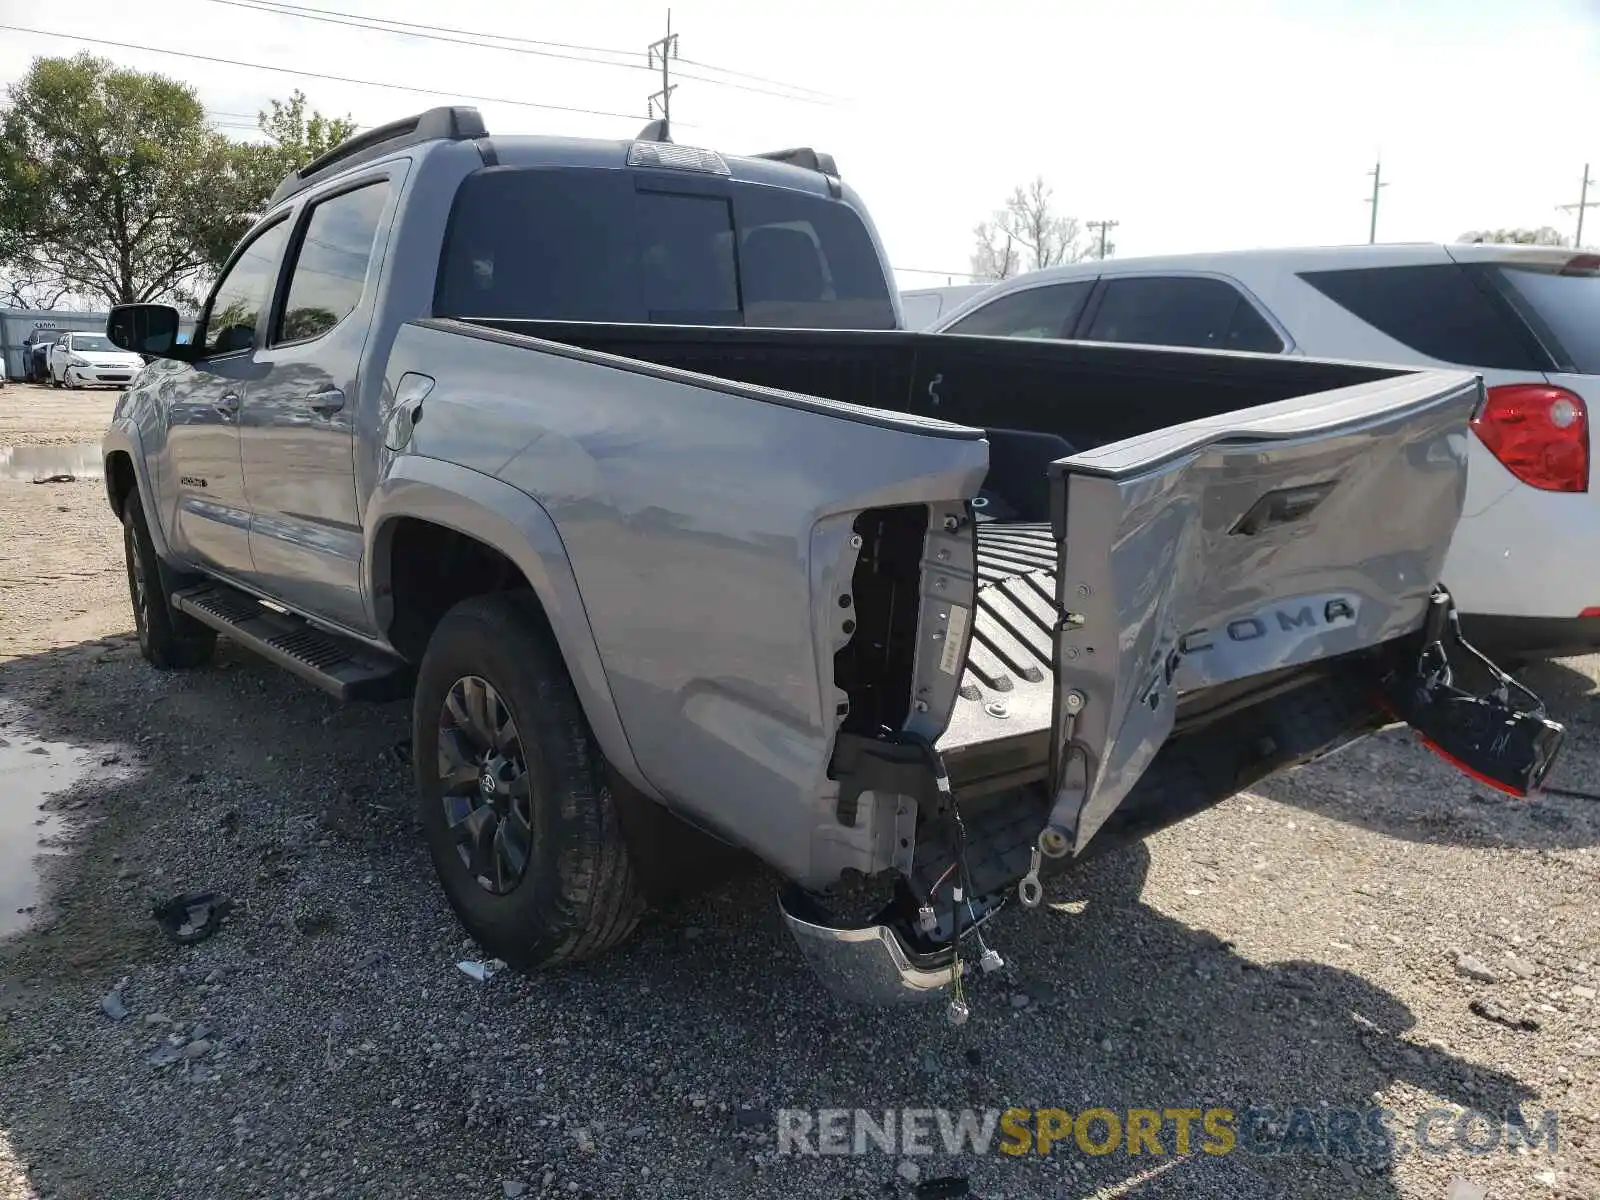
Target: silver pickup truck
{"type": "Point", "coordinates": [614, 456]}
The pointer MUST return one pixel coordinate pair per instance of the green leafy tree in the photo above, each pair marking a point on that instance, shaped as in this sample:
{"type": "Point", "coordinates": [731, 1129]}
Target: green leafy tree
{"type": "Point", "coordinates": [295, 135]}
{"type": "Point", "coordinates": [106, 181]}
{"type": "Point", "coordinates": [114, 189]}
{"type": "Point", "coordinates": [299, 135]}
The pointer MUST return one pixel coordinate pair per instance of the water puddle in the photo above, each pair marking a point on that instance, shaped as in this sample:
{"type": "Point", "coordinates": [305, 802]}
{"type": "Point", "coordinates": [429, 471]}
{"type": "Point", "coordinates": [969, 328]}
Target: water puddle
{"type": "Point", "coordinates": [31, 771]}
{"type": "Point", "coordinates": [30, 464]}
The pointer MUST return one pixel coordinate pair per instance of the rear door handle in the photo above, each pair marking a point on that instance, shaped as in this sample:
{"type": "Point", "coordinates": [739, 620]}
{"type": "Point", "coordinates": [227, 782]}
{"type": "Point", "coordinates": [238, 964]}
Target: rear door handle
{"type": "Point", "coordinates": [227, 404]}
{"type": "Point", "coordinates": [326, 402]}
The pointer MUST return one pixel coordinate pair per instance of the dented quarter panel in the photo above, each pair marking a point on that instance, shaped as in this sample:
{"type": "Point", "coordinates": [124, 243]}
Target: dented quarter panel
{"type": "Point", "coordinates": [692, 518]}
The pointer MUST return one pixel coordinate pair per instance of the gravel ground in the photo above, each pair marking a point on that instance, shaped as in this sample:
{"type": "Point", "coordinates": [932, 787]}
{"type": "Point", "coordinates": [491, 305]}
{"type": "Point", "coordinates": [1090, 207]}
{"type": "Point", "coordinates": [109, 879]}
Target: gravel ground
{"type": "Point", "coordinates": [1302, 944]}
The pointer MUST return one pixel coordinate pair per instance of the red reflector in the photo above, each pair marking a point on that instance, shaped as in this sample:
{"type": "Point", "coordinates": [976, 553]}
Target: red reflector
{"type": "Point", "coordinates": [1590, 612]}
{"type": "Point", "coordinates": [1539, 433]}
{"type": "Point", "coordinates": [1469, 772]}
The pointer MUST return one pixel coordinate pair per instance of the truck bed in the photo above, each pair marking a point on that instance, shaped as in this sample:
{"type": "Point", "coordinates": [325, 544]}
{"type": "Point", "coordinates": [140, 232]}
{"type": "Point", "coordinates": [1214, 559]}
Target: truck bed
{"type": "Point", "coordinates": [999, 732]}
{"type": "Point", "coordinates": [1008, 685]}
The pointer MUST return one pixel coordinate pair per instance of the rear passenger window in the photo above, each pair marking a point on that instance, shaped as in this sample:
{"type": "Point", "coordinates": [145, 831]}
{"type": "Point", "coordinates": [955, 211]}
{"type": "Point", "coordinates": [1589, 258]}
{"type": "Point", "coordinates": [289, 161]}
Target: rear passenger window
{"type": "Point", "coordinates": [330, 272]}
{"type": "Point", "coordinates": [1180, 310]}
{"type": "Point", "coordinates": [1436, 310]}
{"type": "Point", "coordinates": [1562, 303]}
{"type": "Point", "coordinates": [1041, 312]}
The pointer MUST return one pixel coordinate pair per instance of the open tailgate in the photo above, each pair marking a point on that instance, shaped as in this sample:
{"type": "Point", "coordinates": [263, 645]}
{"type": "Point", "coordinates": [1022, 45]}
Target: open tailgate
{"type": "Point", "coordinates": [1234, 545]}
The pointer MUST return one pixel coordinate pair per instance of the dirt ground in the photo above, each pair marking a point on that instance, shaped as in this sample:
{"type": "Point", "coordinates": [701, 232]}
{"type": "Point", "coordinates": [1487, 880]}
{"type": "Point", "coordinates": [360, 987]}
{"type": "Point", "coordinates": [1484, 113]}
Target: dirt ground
{"type": "Point", "coordinates": [35, 415]}
{"type": "Point", "coordinates": [1320, 942]}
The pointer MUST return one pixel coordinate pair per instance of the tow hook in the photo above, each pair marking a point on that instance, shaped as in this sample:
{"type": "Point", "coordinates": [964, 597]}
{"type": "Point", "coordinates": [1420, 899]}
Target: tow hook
{"type": "Point", "coordinates": [1029, 889]}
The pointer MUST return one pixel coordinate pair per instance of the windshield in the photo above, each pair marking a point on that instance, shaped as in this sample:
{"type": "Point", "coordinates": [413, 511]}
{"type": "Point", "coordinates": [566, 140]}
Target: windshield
{"type": "Point", "coordinates": [90, 341]}
{"type": "Point", "coordinates": [1563, 306]}
{"type": "Point", "coordinates": [574, 244]}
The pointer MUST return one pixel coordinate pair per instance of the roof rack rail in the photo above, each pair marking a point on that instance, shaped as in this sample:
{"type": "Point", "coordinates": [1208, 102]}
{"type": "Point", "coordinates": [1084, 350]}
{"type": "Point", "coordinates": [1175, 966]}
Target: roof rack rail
{"type": "Point", "coordinates": [453, 123]}
{"type": "Point", "coordinates": [656, 131]}
{"type": "Point", "coordinates": [804, 156]}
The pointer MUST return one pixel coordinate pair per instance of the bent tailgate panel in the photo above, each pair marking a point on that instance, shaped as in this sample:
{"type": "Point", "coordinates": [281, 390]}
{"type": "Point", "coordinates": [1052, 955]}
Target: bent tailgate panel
{"type": "Point", "coordinates": [1229, 546]}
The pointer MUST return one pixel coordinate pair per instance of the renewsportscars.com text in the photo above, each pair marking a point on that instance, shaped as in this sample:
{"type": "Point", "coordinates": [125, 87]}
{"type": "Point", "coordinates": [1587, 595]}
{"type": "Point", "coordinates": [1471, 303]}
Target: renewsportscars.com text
{"type": "Point", "coordinates": [1150, 1132]}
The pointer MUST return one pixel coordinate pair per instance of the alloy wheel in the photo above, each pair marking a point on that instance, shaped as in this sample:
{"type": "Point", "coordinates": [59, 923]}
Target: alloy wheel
{"type": "Point", "coordinates": [137, 587]}
{"type": "Point", "coordinates": [486, 789]}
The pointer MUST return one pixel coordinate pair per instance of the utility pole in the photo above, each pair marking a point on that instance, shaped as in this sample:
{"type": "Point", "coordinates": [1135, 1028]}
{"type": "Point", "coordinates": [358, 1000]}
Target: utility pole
{"type": "Point", "coordinates": [1377, 182]}
{"type": "Point", "coordinates": [1583, 203]}
{"type": "Point", "coordinates": [665, 49]}
{"type": "Point", "coordinates": [1104, 227]}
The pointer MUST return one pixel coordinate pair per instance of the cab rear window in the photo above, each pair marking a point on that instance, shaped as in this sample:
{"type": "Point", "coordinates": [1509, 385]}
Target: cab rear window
{"type": "Point", "coordinates": [584, 244]}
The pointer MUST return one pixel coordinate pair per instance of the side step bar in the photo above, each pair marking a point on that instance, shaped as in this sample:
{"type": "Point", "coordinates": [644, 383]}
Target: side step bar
{"type": "Point", "coordinates": [339, 666]}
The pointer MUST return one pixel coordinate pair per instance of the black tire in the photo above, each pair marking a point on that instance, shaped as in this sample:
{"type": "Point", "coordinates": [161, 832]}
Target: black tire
{"type": "Point", "coordinates": [168, 639]}
{"type": "Point", "coordinates": [578, 893]}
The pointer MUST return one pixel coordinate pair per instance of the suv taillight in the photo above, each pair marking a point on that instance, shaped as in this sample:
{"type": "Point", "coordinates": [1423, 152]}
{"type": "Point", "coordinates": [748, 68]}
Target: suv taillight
{"type": "Point", "coordinates": [1539, 433]}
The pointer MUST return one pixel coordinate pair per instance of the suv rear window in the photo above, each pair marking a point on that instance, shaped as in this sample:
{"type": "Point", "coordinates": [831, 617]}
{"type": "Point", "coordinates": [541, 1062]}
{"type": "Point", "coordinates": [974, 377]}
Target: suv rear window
{"type": "Point", "coordinates": [1437, 310]}
{"type": "Point", "coordinates": [584, 244]}
{"type": "Point", "coordinates": [1562, 304]}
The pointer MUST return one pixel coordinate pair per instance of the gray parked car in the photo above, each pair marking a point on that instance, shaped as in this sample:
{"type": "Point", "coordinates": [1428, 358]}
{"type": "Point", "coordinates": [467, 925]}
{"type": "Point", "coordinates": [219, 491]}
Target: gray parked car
{"type": "Point", "coordinates": [614, 455]}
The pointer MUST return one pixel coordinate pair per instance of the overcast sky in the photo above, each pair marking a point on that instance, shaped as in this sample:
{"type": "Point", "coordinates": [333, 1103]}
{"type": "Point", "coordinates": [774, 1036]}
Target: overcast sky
{"type": "Point", "coordinates": [1197, 126]}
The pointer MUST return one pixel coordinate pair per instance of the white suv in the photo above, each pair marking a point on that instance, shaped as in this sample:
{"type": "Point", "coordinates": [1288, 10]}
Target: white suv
{"type": "Point", "coordinates": [1525, 564]}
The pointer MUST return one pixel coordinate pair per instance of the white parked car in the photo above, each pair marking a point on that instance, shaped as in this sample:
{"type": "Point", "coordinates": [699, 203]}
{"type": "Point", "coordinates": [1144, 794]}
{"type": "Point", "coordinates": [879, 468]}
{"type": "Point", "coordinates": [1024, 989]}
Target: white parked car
{"type": "Point", "coordinates": [1525, 563]}
{"type": "Point", "coordinates": [90, 360]}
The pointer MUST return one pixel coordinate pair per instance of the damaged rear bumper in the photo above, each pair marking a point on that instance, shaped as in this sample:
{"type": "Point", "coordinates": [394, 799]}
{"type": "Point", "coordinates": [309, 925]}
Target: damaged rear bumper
{"type": "Point", "coordinates": [869, 964]}
{"type": "Point", "coordinates": [1457, 702]}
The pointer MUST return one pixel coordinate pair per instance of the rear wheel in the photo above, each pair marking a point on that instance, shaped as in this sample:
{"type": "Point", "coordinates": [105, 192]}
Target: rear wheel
{"type": "Point", "coordinates": [521, 824]}
{"type": "Point", "coordinates": [168, 639]}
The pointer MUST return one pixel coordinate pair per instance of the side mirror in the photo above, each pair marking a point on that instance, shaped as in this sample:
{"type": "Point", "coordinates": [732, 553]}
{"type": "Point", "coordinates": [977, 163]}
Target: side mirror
{"type": "Point", "coordinates": [146, 329]}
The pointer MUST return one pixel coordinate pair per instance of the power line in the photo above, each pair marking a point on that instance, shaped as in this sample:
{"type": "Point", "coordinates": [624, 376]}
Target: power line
{"type": "Point", "coordinates": [758, 78]}
{"type": "Point", "coordinates": [357, 21]}
{"type": "Point", "coordinates": [928, 271]}
{"type": "Point", "coordinates": [1583, 204]}
{"type": "Point", "coordinates": [250, 121]}
{"type": "Point", "coordinates": [526, 41]}
{"type": "Point", "coordinates": [394, 87]}
{"type": "Point", "coordinates": [306, 8]}
{"type": "Point", "coordinates": [474, 39]}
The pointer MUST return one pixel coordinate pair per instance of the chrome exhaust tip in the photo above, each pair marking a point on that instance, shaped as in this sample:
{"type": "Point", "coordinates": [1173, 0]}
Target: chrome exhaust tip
{"type": "Point", "coordinates": [867, 965]}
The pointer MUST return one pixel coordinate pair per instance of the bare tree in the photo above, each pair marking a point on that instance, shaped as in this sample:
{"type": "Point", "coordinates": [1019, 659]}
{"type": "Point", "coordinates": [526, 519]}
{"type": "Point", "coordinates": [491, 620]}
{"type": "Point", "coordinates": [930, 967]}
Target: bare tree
{"type": "Point", "coordinates": [1028, 235]}
{"type": "Point", "coordinates": [996, 256]}
{"type": "Point", "coordinates": [1543, 236]}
